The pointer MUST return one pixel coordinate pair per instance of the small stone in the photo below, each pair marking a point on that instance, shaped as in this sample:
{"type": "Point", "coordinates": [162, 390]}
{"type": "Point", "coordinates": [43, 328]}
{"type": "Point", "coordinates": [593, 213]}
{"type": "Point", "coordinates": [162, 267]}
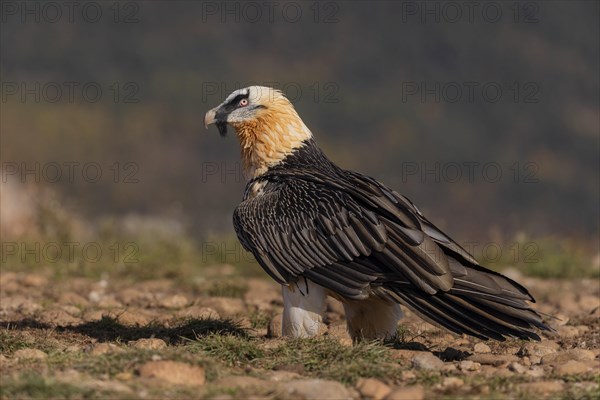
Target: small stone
{"type": "Point", "coordinates": [132, 318]}
{"type": "Point", "coordinates": [542, 387]}
{"type": "Point", "coordinates": [564, 356]}
{"type": "Point", "coordinates": [406, 393]}
{"type": "Point", "coordinates": [173, 372]}
{"type": "Point", "coordinates": [408, 375]}
{"type": "Point", "coordinates": [30, 354]}
{"type": "Point", "coordinates": [275, 328]}
{"type": "Point", "coordinates": [468, 365]}
{"type": "Point", "coordinates": [516, 367]}
{"type": "Point", "coordinates": [482, 348]}
{"type": "Point", "coordinates": [124, 376]}
{"type": "Point", "coordinates": [572, 367]}
{"type": "Point", "coordinates": [148, 344]}
{"type": "Point", "coordinates": [33, 280]}
{"type": "Point", "coordinates": [452, 382]}
{"type": "Point", "coordinates": [427, 361]}
{"type": "Point", "coordinates": [372, 388]}
{"type": "Point", "coordinates": [174, 301]}
{"type": "Point", "coordinates": [104, 348]}
{"type": "Point", "coordinates": [316, 389]}
{"type": "Point", "coordinates": [538, 349]}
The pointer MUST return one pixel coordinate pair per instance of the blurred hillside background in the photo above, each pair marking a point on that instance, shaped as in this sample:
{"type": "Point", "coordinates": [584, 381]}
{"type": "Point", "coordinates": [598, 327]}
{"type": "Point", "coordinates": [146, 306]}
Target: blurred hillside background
{"type": "Point", "coordinates": [485, 116]}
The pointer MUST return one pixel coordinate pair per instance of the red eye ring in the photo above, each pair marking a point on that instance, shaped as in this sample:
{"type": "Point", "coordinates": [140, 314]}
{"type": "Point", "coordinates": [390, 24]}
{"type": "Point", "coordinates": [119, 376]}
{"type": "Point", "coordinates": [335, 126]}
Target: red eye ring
{"type": "Point", "coordinates": [243, 102]}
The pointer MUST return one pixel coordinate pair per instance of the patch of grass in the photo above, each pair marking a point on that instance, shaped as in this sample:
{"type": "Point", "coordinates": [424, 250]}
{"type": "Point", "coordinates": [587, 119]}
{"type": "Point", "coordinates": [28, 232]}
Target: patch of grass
{"type": "Point", "coordinates": [12, 341]}
{"type": "Point", "coordinates": [327, 358]}
{"type": "Point", "coordinates": [232, 350]}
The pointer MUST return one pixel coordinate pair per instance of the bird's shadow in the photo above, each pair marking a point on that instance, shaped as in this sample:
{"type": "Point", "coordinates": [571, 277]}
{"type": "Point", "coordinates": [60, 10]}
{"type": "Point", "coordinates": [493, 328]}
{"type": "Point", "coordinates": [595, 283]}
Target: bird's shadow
{"type": "Point", "coordinates": [108, 329]}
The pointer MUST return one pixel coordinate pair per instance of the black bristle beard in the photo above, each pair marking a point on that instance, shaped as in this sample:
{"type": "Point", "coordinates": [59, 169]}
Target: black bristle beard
{"type": "Point", "coordinates": [222, 127]}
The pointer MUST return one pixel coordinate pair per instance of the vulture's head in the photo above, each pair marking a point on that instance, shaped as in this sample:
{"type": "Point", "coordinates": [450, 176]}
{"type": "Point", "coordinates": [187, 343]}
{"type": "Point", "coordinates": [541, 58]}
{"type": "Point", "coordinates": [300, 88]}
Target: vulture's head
{"type": "Point", "coordinates": [266, 124]}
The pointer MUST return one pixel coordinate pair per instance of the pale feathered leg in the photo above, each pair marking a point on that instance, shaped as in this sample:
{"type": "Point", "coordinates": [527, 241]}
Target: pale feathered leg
{"type": "Point", "coordinates": [373, 318]}
{"type": "Point", "coordinates": [303, 309]}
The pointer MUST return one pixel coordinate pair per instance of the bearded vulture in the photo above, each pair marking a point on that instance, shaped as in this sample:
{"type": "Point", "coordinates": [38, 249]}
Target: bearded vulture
{"type": "Point", "coordinates": [320, 230]}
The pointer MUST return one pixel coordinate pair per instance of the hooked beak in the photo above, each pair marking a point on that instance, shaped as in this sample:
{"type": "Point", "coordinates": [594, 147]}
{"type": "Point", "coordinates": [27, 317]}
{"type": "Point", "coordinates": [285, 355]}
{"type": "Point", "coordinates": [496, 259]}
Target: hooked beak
{"type": "Point", "coordinates": [211, 118]}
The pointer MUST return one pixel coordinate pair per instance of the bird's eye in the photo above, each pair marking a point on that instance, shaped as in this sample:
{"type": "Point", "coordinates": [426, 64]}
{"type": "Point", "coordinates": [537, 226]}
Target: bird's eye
{"type": "Point", "coordinates": [243, 102]}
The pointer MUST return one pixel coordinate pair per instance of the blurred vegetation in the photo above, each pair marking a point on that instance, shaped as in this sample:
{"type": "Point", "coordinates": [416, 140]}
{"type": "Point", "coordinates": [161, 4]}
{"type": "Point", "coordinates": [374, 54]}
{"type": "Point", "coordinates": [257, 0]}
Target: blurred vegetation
{"type": "Point", "coordinates": [55, 236]}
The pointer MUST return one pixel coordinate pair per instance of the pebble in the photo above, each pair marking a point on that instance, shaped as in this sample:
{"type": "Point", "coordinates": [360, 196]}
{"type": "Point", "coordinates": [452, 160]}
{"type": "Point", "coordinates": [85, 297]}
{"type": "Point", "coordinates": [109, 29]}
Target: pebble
{"type": "Point", "coordinates": [538, 349]}
{"type": "Point", "coordinates": [33, 280]}
{"type": "Point", "coordinates": [406, 393]}
{"type": "Point", "coordinates": [468, 365]}
{"type": "Point", "coordinates": [174, 302]}
{"type": "Point", "coordinates": [132, 318]}
{"type": "Point", "coordinates": [372, 388]}
{"type": "Point", "coordinates": [173, 372]}
{"type": "Point", "coordinates": [482, 348]}
{"type": "Point", "coordinates": [452, 382]}
{"type": "Point", "coordinates": [315, 389]}
{"type": "Point", "coordinates": [427, 361]}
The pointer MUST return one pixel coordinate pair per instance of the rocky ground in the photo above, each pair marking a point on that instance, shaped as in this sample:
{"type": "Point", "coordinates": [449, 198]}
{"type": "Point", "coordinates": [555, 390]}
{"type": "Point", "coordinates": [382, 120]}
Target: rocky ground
{"type": "Point", "coordinates": [219, 337]}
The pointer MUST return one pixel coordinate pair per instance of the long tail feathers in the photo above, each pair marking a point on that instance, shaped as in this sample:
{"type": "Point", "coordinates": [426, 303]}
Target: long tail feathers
{"type": "Point", "coordinates": [481, 303]}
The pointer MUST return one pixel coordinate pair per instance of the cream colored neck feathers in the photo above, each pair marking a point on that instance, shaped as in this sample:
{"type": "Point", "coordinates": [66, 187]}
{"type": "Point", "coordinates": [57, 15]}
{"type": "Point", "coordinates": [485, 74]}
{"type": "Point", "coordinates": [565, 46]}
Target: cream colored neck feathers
{"type": "Point", "coordinates": [266, 140]}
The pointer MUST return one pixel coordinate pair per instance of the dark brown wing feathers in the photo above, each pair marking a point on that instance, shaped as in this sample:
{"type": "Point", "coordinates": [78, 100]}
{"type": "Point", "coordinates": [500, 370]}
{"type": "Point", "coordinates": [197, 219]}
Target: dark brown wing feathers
{"type": "Point", "coordinates": [356, 237]}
